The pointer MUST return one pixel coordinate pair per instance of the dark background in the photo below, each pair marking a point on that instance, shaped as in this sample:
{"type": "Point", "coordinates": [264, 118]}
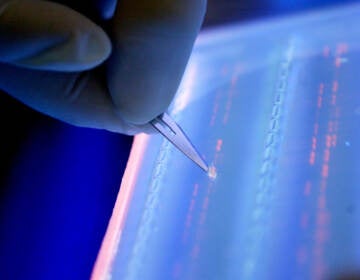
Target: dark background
{"type": "Point", "coordinates": [59, 182]}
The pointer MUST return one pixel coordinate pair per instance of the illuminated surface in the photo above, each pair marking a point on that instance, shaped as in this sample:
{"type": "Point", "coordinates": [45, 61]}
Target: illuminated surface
{"type": "Point", "coordinates": [274, 108]}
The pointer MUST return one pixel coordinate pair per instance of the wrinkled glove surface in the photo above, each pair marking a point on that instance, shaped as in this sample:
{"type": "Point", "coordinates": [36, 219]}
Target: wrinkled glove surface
{"type": "Point", "coordinates": [100, 64]}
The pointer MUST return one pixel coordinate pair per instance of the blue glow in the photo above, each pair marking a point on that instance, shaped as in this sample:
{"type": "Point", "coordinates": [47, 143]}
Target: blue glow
{"type": "Point", "coordinates": [60, 195]}
{"type": "Point", "coordinates": [271, 106]}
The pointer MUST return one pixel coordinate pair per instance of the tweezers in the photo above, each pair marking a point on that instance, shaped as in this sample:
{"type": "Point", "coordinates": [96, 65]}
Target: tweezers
{"type": "Point", "coordinates": [172, 131]}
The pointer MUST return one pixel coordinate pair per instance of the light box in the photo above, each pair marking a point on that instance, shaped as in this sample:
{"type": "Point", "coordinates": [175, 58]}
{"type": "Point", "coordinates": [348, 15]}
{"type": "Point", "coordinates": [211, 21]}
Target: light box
{"type": "Point", "coordinates": [274, 108]}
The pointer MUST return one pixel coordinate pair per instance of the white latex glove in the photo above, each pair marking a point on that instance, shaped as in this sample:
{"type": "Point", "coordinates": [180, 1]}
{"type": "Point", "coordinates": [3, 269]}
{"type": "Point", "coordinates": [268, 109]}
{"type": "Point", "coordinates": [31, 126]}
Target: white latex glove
{"type": "Point", "coordinates": [61, 63]}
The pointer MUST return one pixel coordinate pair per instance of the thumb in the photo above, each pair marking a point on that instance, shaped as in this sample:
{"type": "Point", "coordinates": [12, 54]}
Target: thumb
{"type": "Point", "coordinates": [78, 98]}
{"type": "Point", "coordinates": [49, 36]}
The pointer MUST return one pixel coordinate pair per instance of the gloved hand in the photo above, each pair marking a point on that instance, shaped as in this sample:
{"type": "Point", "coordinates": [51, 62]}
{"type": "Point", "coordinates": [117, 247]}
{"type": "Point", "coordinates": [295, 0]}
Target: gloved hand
{"type": "Point", "coordinates": [63, 64]}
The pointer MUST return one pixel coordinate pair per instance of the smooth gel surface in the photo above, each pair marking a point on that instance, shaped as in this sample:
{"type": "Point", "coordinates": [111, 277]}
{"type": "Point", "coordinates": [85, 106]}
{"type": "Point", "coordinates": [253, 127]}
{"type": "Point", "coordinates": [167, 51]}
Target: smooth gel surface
{"type": "Point", "coordinates": [274, 108]}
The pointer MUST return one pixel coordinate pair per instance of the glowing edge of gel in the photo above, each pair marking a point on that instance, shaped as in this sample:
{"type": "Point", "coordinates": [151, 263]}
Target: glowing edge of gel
{"type": "Point", "coordinates": [103, 264]}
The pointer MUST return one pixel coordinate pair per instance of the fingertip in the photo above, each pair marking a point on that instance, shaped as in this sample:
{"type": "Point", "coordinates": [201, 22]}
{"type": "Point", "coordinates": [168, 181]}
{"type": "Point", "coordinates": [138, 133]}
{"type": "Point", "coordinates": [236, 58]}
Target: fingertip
{"type": "Point", "coordinates": [83, 50]}
{"type": "Point", "coordinates": [50, 37]}
{"type": "Point", "coordinates": [106, 8]}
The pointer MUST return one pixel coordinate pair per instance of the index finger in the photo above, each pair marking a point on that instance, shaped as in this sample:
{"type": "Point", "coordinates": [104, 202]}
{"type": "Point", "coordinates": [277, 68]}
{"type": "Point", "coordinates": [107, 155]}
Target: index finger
{"type": "Point", "coordinates": [152, 42]}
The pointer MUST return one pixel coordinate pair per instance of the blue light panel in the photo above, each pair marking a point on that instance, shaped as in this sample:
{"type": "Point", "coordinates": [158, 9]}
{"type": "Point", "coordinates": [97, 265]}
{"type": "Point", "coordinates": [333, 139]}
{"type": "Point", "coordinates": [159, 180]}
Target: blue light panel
{"type": "Point", "coordinates": [274, 107]}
